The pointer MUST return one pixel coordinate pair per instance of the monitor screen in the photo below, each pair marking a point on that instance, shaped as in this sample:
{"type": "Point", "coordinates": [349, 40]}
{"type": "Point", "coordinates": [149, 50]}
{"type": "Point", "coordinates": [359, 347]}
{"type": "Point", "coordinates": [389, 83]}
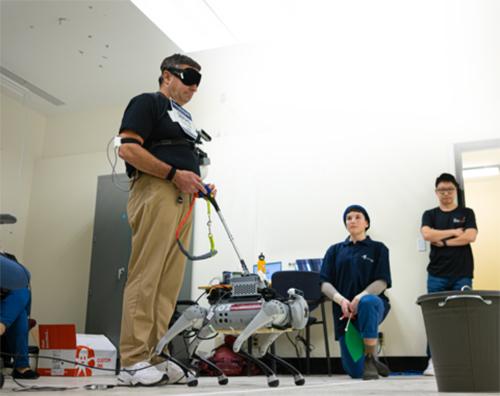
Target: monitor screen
{"type": "Point", "coordinates": [311, 265]}
{"type": "Point", "coordinates": [271, 268]}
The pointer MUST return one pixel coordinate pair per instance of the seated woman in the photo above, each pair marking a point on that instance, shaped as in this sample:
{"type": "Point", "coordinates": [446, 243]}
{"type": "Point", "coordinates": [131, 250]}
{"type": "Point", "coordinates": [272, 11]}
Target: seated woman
{"type": "Point", "coordinates": [15, 305]}
{"type": "Point", "coordinates": [354, 275]}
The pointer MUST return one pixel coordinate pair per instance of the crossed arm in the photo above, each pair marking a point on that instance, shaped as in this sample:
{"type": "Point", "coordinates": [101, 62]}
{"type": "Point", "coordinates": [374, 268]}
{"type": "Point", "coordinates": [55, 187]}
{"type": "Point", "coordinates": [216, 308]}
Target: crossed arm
{"type": "Point", "coordinates": [450, 237]}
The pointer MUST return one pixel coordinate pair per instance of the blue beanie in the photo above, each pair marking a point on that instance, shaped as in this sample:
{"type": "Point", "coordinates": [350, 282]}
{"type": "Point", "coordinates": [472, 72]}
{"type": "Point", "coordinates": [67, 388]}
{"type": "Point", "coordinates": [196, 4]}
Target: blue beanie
{"type": "Point", "coordinates": [359, 209]}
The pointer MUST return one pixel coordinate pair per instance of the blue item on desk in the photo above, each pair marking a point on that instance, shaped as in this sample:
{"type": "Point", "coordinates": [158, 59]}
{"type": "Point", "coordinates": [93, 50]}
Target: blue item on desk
{"type": "Point", "coordinates": [271, 268]}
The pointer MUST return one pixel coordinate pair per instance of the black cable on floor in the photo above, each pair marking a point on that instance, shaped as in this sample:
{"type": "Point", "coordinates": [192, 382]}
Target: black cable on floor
{"type": "Point", "coordinates": [37, 388]}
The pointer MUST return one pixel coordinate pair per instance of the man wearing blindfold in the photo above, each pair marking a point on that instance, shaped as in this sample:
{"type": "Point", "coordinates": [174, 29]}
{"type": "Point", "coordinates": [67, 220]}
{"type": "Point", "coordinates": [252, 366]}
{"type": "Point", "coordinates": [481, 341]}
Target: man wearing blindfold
{"type": "Point", "coordinates": [158, 148]}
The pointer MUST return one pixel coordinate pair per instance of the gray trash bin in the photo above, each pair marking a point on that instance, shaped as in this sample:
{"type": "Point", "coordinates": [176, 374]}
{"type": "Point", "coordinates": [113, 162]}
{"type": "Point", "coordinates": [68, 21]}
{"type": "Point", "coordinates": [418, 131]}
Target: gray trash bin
{"type": "Point", "coordinates": [463, 331]}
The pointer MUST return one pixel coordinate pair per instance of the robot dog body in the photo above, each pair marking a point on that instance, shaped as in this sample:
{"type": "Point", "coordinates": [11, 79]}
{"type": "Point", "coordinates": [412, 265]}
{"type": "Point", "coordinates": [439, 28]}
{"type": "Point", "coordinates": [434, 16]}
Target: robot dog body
{"type": "Point", "coordinates": [247, 308]}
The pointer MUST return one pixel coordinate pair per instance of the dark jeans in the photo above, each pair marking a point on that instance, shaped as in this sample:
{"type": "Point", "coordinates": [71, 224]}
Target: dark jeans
{"type": "Point", "coordinates": [14, 312]}
{"type": "Point", "coordinates": [445, 283]}
{"type": "Point", "coordinates": [370, 315]}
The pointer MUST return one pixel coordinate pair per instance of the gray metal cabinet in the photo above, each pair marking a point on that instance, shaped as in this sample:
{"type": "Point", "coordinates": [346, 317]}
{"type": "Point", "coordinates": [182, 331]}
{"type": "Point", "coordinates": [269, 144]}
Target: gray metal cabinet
{"type": "Point", "coordinates": [109, 260]}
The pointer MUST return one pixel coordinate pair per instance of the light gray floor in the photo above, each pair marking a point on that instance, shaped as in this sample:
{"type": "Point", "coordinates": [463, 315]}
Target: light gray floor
{"type": "Point", "coordinates": [315, 386]}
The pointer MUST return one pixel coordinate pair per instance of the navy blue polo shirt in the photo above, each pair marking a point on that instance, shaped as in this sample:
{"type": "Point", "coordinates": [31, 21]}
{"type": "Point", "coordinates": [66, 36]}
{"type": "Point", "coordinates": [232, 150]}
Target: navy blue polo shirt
{"type": "Point", "coordinates": [351, 267]}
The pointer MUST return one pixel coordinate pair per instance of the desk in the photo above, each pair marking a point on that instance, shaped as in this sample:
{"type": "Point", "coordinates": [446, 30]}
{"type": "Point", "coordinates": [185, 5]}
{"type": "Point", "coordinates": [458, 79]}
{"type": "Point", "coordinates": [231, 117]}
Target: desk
{"type": "Point", "coordinates": [218, 285]}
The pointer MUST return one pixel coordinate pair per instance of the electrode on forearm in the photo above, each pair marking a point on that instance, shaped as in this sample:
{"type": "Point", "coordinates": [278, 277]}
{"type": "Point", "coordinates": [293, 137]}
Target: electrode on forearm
{"type": "Point", "coordinates": [118, 141]}
{"type": "Point", "coordinates": [329, 290]}
{"type": "Point", "coordinates": [376, 287]}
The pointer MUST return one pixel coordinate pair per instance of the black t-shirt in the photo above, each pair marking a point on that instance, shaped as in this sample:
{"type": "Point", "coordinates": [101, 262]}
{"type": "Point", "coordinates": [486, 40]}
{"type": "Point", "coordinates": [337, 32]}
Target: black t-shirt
{"type": "Point", "coordinates": [452, 261]}
{"type": "Point", "coordinates": [147, 115]}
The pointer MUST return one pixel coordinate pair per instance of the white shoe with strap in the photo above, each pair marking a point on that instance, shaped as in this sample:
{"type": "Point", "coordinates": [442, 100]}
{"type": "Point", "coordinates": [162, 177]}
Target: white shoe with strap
{"type": "Point", "coordinates": [142, 373]}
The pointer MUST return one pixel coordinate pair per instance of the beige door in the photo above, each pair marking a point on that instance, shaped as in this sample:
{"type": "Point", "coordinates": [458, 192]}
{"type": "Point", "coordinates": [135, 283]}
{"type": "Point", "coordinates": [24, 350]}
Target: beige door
{"type": "Point", "coordinates": [481, 175]}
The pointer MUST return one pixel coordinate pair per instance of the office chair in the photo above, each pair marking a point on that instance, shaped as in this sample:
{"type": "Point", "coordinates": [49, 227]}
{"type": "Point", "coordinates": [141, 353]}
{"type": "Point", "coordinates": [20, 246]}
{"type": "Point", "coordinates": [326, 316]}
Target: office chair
{"type": "Point", "coordinates": [309, 283]}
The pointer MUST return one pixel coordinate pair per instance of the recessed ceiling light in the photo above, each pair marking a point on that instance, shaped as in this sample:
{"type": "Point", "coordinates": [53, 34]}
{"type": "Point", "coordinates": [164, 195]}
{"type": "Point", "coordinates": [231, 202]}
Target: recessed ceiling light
{"type": "Point", "coordinates": [483, 171]}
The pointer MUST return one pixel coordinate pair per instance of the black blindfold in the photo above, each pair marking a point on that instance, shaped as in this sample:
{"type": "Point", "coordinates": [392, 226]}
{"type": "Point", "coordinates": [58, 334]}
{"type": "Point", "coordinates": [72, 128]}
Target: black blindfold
{"type": "Point", "coordinates": [188, 76]}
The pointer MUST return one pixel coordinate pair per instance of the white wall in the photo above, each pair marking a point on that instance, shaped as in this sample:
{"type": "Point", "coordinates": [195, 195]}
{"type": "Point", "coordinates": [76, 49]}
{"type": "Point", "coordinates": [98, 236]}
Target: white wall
{"type": "Point", "coordinates": [21, 138]}
{"type": "Point", "coordinates": [61, 217]}
{"type": "Point", "coordinates": [301, 129]}
{"type": "Point", "coordinates": [369, 115]}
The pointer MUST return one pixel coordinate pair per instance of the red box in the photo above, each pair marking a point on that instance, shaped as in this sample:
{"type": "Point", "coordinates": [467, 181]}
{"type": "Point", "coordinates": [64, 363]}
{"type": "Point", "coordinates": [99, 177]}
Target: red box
{"type": "Point", "coordinates": [57, 341]}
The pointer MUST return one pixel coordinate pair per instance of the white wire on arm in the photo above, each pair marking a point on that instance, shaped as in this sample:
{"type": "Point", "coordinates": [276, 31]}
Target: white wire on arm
{"type": "Point", "coordinates": [112, 162]}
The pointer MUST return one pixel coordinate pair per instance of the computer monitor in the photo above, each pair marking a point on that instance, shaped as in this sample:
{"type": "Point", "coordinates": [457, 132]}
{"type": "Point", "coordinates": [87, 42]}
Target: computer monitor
{"type": "Point", "coordinates": [312, 265]}
{"type": "Point", "coordinates": [271, 268]}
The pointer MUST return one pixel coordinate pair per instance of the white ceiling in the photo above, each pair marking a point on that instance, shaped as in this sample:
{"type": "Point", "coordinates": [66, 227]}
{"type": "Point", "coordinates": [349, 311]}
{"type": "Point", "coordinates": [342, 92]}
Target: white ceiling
{"type": "Point", "coordinates": [85, 53]}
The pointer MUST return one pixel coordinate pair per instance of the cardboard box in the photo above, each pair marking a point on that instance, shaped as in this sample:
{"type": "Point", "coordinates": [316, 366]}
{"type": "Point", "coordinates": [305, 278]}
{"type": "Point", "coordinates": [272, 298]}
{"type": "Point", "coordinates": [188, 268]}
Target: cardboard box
{"type": "Point", "coordinates": [61, 341]}
{"type": "Point", "coordinates": [96, 351]}
{"type": "Point", "coordinates": [57, 341]}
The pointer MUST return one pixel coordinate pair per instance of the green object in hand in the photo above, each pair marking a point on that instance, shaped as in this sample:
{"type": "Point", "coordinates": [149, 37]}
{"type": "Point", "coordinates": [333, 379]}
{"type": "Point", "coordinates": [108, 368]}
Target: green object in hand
{"type": "Point", "coordinates": [354, 342]}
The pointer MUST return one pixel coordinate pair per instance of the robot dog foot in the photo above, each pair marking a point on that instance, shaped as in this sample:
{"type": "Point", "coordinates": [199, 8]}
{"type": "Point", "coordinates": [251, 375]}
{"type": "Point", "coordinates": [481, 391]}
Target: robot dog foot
{"type": "Point", "coordinates": [272, 380]}
{"type": "Point", "coordinates": [221, 377]}
{"type": "Point", "coordinates": [191, 380]}
{"type": "Point", "coordinates": [298, 378]}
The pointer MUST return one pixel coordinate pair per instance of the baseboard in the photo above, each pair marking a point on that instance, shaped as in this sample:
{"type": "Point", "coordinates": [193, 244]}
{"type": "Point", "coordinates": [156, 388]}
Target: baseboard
{"type": "Point", "coordinates": [397, 364]}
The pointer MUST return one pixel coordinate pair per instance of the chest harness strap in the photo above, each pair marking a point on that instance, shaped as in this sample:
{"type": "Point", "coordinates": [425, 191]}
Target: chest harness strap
{"type": "Point", "coordinates": [172, 142]}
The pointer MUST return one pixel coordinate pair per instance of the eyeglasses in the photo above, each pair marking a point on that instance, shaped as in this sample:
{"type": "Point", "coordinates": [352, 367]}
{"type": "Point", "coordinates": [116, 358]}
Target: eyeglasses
{"type": "Point", "coordinates": [188, 76]}
{"type": "Point", "coordinates": [443, 191]}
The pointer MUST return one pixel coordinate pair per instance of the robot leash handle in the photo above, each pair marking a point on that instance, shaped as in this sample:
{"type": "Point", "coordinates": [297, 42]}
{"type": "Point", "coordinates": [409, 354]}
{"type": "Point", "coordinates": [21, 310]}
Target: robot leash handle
{"type": "Point", "coordinates": [210, 198]}
{"type": "Point", "coordinates": [205, 256]}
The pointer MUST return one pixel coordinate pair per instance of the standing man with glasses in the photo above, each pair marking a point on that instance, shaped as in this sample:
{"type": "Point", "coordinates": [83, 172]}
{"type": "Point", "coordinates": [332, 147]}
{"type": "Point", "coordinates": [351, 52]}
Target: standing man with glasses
{"type": "Point", "coordinates": [450, 229]}
{"type": "Point", "coordinates": [157, 143]}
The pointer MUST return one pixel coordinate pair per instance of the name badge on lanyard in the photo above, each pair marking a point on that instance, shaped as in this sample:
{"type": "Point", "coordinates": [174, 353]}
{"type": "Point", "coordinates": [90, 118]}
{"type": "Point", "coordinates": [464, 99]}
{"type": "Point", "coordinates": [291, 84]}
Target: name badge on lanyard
{"type": "Point", "coordinates": [183, 118]}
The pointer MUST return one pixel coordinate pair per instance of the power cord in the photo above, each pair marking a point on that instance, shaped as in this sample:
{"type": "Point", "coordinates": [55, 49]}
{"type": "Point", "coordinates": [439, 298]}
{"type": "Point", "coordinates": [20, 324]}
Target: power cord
{"type": "Point", "coordinates": [37, 388]}
{"type": "Point", "coordinates": [295, 346]}
{"type": "Point", "coordinates": [112, 162]}
{"type": "Point", "coordinates": [380, 346]}
{"type": "Point", "coordinates": [34, 388]}
{"type": "Point", "coordinates": [76, 363]}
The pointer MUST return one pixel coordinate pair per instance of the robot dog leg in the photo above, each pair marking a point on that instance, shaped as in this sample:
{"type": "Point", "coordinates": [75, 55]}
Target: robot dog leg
{"type": "Point", "coordinates": [292, 314]}
{"type": "Point", "coordinates": [204, 333]}
{"type": "Point", "coordinates": [193, 317]}
{"type": "Point", "coordinates": [261, 350]}
{"type": "Point", "coordinates": [272, 312]}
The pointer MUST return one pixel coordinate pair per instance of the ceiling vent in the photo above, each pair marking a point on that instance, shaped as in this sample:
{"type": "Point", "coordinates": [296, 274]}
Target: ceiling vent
{"type": "Point", "coordinates": [20, 86]}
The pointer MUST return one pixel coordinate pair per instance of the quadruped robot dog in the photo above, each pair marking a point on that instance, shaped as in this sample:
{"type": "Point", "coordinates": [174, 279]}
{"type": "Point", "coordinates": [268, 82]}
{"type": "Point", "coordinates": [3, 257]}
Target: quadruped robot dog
{"type": "Point", "coordinates": [244, 305]}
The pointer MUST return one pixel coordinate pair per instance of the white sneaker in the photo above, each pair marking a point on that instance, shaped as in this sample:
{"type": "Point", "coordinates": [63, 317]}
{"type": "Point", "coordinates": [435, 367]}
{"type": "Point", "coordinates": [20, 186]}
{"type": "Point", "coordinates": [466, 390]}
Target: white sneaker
{"type": "Point", "coordinates": [174, 372]}
{"type": "Point", "coordinates": [141, 373]}
{"type": "Point", "coordinates": [430, 369]}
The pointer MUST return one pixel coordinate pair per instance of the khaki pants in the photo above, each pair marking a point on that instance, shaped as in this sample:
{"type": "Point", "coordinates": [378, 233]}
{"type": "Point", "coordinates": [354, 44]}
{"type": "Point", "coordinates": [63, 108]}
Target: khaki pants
{"type": "Point", "coordinates": [156, 266]}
